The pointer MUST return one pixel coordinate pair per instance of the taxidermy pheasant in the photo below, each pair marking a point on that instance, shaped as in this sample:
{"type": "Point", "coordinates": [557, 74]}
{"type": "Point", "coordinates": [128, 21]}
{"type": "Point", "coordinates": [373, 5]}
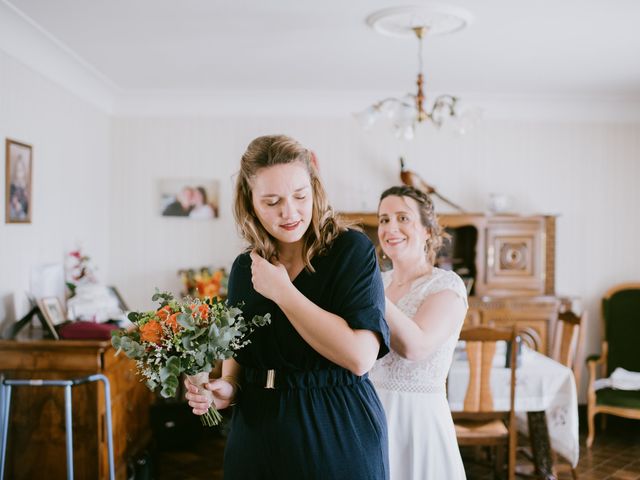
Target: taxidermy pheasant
{"type": "Point", "coordinates": [414, 180]}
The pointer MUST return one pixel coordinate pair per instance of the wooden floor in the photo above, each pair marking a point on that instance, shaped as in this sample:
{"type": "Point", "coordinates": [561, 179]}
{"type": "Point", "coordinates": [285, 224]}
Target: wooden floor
{"type": "Point", "coordinates": [615, 455]}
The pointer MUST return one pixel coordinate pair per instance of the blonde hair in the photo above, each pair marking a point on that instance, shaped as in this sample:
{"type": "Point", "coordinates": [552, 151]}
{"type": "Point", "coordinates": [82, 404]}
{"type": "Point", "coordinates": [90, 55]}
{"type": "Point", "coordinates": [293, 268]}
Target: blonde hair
{"type": "Point", "coordinates": [325, 225]}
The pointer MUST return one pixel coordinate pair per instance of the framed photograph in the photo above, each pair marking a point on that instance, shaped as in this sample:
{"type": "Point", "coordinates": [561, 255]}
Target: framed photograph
{"type": "Point", "coordinates": [122, 305]}
{"type": "Point", "coordinates": [52, 310]}
{"type": "Point", "coordinates": [19, 165]}
{"type": "Point", "coordinates": [195, 199]}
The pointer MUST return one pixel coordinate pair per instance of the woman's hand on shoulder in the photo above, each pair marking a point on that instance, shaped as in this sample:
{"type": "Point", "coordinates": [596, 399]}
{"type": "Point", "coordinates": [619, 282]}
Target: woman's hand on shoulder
{"type": "Point", "coordinates": [268, 280]}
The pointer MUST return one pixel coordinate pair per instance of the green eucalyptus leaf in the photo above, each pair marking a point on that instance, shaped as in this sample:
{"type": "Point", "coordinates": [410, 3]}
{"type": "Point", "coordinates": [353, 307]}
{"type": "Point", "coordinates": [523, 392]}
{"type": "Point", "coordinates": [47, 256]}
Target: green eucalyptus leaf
{"type": "Point", "coordinates": [186, 321]}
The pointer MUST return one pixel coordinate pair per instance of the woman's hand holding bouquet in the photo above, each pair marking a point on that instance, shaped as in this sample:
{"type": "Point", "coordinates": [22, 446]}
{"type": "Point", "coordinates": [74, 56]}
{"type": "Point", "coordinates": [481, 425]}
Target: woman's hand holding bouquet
{"type": "Point", "coordinates": [187, 337]}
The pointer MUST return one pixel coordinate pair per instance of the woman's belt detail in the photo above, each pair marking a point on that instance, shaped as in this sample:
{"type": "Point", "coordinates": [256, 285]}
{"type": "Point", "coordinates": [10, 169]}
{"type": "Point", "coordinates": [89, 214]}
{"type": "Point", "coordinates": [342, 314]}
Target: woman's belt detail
{"type": "Point", "coordinates": [279, 379]}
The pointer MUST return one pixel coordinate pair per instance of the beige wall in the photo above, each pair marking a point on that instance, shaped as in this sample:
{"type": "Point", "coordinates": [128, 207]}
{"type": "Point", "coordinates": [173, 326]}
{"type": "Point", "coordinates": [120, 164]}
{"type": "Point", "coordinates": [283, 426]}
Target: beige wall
{"type": "Point", "coordinates": [71, 152]}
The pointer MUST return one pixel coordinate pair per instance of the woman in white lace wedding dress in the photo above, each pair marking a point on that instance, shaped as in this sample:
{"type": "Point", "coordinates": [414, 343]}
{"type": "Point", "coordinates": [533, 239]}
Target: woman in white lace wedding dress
{"type": "Point", "coordinates": [425, 310]}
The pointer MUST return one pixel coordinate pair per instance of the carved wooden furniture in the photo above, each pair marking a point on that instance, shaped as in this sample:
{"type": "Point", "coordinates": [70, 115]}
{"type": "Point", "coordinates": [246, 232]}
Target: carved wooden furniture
{"type": "Point", "coordinates": [37, 430]}
{"type": "Point", "coordinates": [621, 315]}
{"type": "Point", "coordinates": [508, 260]}
{"type": "Point", "coordinates": [8, 385]}
{"type": "Point", "coordinates": [479, 423]}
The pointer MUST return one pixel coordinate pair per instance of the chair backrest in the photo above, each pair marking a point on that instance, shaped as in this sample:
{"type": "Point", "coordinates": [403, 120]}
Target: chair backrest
{"type": "Point", "coordinates": [472, 319]}
{"type": "Point", "coordinates": [481, 349]}
{"type": "Point", "coordinates": [568, 341]}
{"type": "Point", "coordinates": [621, 315]}
{"type": "Point", "coordinates": [530, 337]}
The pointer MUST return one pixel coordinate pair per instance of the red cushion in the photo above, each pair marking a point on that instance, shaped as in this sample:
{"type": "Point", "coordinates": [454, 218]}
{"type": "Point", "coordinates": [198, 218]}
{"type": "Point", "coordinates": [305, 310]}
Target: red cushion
{"type": "Point", "coordinates": [81, 330]}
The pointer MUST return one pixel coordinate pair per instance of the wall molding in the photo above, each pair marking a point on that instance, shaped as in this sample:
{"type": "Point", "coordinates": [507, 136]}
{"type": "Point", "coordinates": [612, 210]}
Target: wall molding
{"type": "Point", "coordinates": [27, 41]}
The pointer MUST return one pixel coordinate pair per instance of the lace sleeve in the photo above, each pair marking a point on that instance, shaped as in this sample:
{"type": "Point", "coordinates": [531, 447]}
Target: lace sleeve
{"type": "Point", "coordinates": [447, 280]}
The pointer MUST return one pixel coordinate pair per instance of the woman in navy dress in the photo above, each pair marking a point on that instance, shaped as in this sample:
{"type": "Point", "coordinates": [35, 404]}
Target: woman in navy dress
{"type": "Point", "coordinates": [305, 408]}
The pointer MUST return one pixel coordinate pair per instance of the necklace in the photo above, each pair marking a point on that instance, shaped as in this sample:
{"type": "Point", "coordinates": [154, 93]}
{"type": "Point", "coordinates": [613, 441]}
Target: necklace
{"type": "Point", "coordinates": [410, 280]}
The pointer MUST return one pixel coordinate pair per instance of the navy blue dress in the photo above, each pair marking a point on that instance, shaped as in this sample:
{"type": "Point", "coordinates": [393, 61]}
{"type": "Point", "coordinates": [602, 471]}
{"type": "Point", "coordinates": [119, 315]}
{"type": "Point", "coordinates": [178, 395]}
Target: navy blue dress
{"type": "Point", "coordinates": [319, 421]}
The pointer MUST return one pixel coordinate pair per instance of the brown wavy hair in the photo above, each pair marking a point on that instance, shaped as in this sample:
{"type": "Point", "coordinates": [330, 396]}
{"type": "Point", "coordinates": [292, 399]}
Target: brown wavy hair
{"type": "Point", "coordinates": [325, 225]}
{"type": "Point", "coordinates": [428, 217]}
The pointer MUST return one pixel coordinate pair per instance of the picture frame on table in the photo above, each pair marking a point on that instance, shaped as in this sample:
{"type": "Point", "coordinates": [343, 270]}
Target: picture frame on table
{"type": "Point", "coordinates": [18, 174]}
{"type": "Point", "coordinates": [122, 305]}
{"type": "Point", "coordinates": [52, 312]}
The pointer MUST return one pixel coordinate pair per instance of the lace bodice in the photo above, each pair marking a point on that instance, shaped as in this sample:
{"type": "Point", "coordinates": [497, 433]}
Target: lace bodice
{"type": "Point", "coordinates": [393, 372]}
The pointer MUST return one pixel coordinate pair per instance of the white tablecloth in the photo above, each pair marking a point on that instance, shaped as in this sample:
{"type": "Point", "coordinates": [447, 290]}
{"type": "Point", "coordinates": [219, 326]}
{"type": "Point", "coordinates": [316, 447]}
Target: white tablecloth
{"type": "Point", "coordinates": [542, 384]}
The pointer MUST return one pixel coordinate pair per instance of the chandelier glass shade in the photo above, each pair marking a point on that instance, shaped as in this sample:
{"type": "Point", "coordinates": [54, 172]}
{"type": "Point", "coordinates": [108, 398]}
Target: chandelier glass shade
{"type": "Point", "coordinates": [406, 112]}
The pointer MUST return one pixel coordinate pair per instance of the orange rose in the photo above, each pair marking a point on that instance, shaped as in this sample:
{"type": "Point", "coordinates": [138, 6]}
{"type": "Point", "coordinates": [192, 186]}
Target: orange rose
{"type": "Point", "coordinates": [172, 321]}
{"type": "Point", "coordinates": [204, 310]}
{"type": "Point", "coordinates": [151, 332]}
{"type": "Point", "coordinates": [164, 313]}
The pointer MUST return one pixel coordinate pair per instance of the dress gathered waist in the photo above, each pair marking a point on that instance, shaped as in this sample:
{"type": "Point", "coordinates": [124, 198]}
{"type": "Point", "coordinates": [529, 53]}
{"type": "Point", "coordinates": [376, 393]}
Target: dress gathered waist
{"type": "Point", "coordinates": [394, 385]}
{"type": "Point", "coordinates": [281, 379]}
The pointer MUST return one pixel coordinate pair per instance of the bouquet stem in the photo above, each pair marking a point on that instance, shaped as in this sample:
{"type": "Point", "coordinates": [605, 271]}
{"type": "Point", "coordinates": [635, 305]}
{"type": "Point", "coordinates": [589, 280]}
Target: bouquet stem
{"type": "Point", "coordinates": [212, 417]}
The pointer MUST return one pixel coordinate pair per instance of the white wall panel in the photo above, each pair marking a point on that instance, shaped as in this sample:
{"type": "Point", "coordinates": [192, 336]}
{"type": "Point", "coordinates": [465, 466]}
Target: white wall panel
{"type": "Point", "coordinates": [70, 183]}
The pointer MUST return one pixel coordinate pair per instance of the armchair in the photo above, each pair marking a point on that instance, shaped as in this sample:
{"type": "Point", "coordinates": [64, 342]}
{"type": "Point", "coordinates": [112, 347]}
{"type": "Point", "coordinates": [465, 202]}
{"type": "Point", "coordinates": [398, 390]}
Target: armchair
{"type": "Point", "coordinates": [621, 315]}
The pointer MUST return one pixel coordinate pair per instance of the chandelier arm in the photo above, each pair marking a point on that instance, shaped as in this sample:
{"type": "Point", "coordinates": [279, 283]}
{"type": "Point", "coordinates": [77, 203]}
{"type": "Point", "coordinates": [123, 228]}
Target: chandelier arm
{"type": "Point", "coordinates": [378, 105]}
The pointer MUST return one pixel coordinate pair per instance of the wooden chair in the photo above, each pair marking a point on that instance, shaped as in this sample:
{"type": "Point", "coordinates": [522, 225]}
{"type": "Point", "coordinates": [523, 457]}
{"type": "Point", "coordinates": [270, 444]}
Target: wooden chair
{"type": "Point", "coordinates": [530, 337]}
{"type": "Point", "coordinates": [568, 341]}
{"type": "Point", "coordinates": [473, 318]}
{"type": "Point", "coordinates": [479, 423]}
{"type": "Point", "coordinates": [621, 316]}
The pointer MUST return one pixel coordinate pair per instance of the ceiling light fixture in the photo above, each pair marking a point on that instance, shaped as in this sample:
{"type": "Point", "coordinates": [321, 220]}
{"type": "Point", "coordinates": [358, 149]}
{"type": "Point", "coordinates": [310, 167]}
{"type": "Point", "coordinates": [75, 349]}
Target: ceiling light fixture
{"type": "Point", "coordinates": [411, 109]}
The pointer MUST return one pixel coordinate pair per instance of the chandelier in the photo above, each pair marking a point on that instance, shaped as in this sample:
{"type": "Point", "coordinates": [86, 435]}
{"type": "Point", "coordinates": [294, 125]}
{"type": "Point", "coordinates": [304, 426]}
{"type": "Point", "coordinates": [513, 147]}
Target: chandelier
{"type": "Point", "coordinates": [406, 112]}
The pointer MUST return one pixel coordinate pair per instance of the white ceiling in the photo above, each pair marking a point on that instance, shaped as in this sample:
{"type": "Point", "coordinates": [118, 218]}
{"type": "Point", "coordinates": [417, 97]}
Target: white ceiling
{"type": "Point", "coordinates": [538, 47]}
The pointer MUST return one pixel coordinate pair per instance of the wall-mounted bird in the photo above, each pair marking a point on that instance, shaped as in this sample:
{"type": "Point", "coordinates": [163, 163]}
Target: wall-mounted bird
{"type": "Point", "coordinates": [414, 180]}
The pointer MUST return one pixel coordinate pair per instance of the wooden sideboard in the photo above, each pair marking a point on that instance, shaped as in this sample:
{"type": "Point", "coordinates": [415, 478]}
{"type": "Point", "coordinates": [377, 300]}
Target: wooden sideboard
{"type": "Point", "coordinates": [36, 447]}
{"type": "Point", "coordinates": [509, 262]}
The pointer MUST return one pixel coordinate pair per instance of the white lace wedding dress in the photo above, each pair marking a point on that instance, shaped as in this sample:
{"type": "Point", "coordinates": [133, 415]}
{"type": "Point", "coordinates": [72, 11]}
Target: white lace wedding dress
{"type": "Point", "coordinates": [422, 439]}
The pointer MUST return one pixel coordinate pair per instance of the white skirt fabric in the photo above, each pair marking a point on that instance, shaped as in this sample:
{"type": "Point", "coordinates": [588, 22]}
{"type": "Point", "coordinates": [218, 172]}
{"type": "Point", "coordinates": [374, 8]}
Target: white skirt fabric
{"type": "Point", "coordinates": [422, 438]}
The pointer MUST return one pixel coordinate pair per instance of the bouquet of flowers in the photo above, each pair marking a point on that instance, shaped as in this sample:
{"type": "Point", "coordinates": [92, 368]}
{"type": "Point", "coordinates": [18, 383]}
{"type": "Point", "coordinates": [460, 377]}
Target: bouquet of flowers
{"type": "Point", "coordinates": [185, 336]}
{"type": "Point", "coordinates": [204, 282]}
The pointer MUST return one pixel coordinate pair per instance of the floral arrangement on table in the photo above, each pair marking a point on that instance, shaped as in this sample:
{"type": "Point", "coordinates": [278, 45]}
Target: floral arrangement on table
{"type": "Point", "coordinates": [187, 337]}
{"type": "Point", "coordinates": [78, 270]}
{"type": "Point", "coordinates": [204, 283]}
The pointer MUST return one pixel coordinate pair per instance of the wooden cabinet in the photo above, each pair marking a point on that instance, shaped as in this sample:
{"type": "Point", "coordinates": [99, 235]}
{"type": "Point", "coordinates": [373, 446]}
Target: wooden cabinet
{"type": "Point", "coordinates": [518, 255]}
{"type": "Point", "coordinates": [36, 446]}
{"type": "Point", "coordinates": [509, 263]}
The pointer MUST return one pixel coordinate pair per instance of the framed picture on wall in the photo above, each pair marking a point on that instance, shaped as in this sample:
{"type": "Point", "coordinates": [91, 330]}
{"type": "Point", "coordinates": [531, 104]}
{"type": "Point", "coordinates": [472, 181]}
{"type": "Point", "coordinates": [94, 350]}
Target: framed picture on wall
{"type": "Point", "coordinates": [19, 165]}
{"type": "Point", "coordinates": [195, 199]}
